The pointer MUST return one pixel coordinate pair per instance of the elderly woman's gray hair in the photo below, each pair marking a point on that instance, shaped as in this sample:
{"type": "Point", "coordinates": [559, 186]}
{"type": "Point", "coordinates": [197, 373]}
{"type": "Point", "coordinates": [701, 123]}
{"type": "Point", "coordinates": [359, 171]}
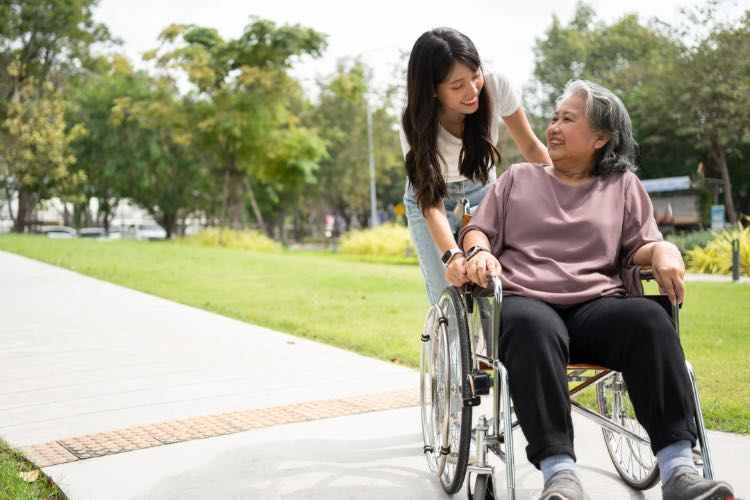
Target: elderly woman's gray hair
{"type": "Point", "coordinates": [605, 112]}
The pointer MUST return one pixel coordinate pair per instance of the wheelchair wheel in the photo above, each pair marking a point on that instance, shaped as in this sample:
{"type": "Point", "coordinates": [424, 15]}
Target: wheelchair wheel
{"type": "Point", "coordinates": [484, 488]}
{"type": "Point", "coordinates": [634, 460]}
{"type": "Point", "coordinates": [457, 441]}
{"type": "Point", "coordinates": [432, 394]}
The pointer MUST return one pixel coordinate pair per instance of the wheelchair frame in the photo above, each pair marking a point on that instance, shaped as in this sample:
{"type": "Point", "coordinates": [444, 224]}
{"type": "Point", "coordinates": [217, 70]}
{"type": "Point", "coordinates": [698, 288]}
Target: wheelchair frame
{"type": "Point", "coordinates": [452, 383]}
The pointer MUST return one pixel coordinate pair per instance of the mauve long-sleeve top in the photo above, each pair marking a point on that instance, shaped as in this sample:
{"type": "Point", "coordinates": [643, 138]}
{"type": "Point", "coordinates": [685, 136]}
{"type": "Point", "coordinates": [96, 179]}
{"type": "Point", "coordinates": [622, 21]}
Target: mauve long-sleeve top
{"type": "Point", "coordinates": [564, 244]}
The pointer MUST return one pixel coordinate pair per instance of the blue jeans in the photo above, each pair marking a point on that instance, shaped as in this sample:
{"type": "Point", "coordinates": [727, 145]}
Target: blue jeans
{"type": "Point", "coordinates": [429, 256]}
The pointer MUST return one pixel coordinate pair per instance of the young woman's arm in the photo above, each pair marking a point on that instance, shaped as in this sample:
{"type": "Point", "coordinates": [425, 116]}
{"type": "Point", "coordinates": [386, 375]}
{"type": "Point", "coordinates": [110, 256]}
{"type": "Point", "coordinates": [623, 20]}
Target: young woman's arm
{"type": "Point", "coordinates": [440, 229]}
{"type": "Point", "coordinates": [528, 143]}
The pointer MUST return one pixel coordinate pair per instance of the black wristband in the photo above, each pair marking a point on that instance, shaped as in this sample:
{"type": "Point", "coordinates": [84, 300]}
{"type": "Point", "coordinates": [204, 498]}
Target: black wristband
{"type": "Point", "coordinates": [475, 250]}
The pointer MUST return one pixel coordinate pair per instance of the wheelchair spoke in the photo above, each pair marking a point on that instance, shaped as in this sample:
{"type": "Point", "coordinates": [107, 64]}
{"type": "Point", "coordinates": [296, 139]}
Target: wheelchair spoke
{"type": "Point", "coordinates": [632, 458]}
{"type": "Point", "coordinates": [455, 437]}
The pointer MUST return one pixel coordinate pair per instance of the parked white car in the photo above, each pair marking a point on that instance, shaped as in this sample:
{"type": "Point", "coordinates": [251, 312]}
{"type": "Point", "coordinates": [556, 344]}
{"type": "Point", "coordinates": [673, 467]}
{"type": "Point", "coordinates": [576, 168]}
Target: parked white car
{"type": "Point", "coordinates": [145, 231]}
{"type": "Point", "coordinates": [59, 232]}
{"type": "Point", "coordinates": [92, 232]}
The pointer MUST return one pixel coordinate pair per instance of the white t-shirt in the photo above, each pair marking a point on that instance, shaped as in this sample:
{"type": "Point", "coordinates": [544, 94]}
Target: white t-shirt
{"type": "Point", "coordinates": [505, 101]}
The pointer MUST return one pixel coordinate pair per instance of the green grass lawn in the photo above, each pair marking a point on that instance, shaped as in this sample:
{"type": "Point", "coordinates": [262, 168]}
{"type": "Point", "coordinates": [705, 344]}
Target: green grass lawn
{"type": "Point", "coordinates": [375, 309]}
{"type": "Point", "coordinates": [13, 487]}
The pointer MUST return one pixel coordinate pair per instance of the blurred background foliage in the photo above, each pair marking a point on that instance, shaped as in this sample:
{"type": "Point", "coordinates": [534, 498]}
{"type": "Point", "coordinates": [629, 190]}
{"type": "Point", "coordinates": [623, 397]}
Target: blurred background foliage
{"type": "Point", "coordinates": [219, 135]}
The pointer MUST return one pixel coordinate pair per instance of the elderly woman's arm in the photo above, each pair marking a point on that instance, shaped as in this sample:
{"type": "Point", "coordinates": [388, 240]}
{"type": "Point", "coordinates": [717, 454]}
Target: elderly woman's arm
{"type": "Point", "coordinates": [668, 266]}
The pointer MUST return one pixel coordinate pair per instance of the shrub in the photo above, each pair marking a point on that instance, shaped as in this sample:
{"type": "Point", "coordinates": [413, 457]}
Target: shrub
{"type": "Point", "coordinates": [687, 241]}
{"type": "Point", "coordinates": [232, 238]}
{"type": "Point", "coordinates": [716, 257]}
{"type": "Point", "coordinates": [390, 240]}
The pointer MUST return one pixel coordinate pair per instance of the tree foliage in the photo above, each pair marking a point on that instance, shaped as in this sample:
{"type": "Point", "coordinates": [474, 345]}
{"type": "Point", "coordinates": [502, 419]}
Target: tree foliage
{"type": "Point", "coordinates": [341, 120]}
{"type": "Point", "coordinates": [42, 39]}
{"type": "Point", "coordinates": [166, 175]}
{"type": "Point", "coordinates": [41, 43]}
{"type": "Point", "coordinates": [35, 151]}
{"type": "Point", "coordinates": [711, 91]}
{"type": "Point", "coordinates": [242, 96]}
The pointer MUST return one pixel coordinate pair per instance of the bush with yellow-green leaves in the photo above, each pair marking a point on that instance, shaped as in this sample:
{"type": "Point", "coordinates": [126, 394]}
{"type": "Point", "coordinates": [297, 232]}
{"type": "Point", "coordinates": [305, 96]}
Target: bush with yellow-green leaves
{"type": "Point", "coordinates": [231, 238]}
{"type": "Point", "coordinates": [716, 256]}
{"type": "Point", "coordinates": [388, 240]}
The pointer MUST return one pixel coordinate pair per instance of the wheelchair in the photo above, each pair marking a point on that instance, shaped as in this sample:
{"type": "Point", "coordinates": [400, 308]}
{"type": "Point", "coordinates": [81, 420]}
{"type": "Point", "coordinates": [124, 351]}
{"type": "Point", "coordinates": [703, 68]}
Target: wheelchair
{"type": "Point", "coordinates": [460, 364]}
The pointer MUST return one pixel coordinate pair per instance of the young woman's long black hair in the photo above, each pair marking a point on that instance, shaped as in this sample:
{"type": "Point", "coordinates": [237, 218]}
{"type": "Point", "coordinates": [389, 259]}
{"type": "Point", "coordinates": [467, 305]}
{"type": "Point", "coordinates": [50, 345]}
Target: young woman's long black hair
{"type": "Point", "coordinates": [430, 62]}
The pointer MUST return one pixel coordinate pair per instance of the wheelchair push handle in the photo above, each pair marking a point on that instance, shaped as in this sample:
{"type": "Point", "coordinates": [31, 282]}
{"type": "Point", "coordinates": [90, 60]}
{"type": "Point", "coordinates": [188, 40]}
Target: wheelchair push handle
{"type": "Point", "coordinates": [494, 281]}
{"type": "Point", "coordinates": [497, 288]}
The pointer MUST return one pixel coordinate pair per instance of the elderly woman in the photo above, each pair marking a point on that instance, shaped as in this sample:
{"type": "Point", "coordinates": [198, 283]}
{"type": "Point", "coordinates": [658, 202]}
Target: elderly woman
{"type": "Point", "coordinates": [558, 237]}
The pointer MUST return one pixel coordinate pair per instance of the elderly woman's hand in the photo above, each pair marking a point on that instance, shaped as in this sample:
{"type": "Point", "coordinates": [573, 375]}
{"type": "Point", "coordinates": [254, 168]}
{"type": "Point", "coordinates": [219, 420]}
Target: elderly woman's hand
{"type": "Point", "coordinates": [669, 271]}
{"type": "Point", "coordinates": [480, 266]}
{"type": "Point", "coordinates": [455, 273]}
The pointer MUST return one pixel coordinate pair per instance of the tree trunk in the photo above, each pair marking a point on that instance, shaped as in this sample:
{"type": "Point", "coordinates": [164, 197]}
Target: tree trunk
{"type": "Point", "coordinates": [236, 210]}
{"type": "Point", "coordinates": [168, 221]}
{"type": "Point", "coordinates": [105, 210]}
{"type": "Point", "coordinates": [282, 225]}
{"type": "Point", "coordinates": [10, 203]}
{"type": "Point", "coordinates": [79, 215]}
{"type": "Point", "coordinates": [721, 161]}
{"type": "Point", "coordinates": [254, 204]}
{"type": "Point", "coordinates": [223, 214]}
{"type": "Point", "coordinates": [26, 202]}
{"type": "Point", "coordinates": [66, 215]}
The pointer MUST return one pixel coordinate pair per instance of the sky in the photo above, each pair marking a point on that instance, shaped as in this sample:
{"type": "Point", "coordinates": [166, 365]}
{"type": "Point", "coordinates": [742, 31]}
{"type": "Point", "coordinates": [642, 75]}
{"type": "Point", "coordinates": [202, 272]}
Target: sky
{"type": "Point", "coordinates": [379, 31]}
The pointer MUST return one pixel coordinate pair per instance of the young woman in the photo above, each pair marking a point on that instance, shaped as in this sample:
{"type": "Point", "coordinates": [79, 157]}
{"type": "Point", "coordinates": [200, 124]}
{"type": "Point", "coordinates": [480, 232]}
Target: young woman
{"type": "Point", "coordinates": [449, 130]}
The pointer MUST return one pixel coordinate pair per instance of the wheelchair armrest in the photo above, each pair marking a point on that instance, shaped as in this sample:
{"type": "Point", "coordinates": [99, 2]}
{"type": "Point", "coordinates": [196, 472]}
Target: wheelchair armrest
{"type": "Point", "coordinates": [647, 273]}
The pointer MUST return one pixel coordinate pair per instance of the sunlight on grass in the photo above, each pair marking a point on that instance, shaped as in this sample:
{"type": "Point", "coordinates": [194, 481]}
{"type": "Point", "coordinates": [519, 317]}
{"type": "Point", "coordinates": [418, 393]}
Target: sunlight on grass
{"type": "Point", "coordinates": [375, 309]}
{"type": "Point", "coordinates": [13, 486]}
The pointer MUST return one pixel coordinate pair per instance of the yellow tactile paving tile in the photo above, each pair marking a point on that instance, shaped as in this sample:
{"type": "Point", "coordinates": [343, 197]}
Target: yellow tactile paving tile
{"type": "Point", "coordinates": [135, 438]}
{"type": "Point", "coordinates": [109, 443]}
{"type": "Point", "coordinates": [51, 453]}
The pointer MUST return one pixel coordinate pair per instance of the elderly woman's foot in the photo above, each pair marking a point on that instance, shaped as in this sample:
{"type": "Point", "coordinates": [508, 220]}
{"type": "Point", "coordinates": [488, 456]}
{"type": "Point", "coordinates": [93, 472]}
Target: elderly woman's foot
{"type": "Point", "coordinates": [563, 486]}
{"type": "Point", "coordinates": [687, 484]}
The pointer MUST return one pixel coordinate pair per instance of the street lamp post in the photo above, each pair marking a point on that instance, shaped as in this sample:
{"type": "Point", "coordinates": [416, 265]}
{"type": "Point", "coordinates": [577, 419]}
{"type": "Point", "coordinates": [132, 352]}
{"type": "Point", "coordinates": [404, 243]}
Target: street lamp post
{"type": "Point", "coordinates": [371, 160]}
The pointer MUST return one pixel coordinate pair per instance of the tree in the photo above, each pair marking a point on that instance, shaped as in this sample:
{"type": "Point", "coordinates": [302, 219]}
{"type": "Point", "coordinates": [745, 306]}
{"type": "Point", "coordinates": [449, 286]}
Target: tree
{"type": "Point", "coordinates": [41, 41]}
{"type": "Point", "coordinates": [712, 93]}
{"type": "Point", "coordinates": [341, 120]}
{"type": "Point", "coordinates": [105, 153]}
{"type": "Point", "coordinates": [242, 95]}
{"type": "Point", "coordinates": [164, 174]}
{"type": "Point", "coordinates": [35, 149]}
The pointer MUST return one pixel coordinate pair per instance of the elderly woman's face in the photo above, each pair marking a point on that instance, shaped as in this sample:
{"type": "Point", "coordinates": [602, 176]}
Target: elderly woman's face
{"type": "Point", "coordinates": [570, 138]}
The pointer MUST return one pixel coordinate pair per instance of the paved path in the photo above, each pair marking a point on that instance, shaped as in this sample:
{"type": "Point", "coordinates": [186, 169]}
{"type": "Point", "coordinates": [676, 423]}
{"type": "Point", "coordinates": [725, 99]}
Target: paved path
{"type": "Point", "coordinates": [122, 395]}
{"type": "Point", "coordinates": [715, 278]}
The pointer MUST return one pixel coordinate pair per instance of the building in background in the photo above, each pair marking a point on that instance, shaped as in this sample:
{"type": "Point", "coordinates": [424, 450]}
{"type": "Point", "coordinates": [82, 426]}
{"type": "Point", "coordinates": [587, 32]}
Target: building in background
{"type": "Point", "coordinates": [676, 202]}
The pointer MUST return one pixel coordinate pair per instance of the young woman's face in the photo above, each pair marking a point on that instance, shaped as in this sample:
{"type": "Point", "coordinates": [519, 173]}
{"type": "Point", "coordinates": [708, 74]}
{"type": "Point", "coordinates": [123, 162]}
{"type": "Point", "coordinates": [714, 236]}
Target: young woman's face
{"type": "Point", "coordinates": [459, 92]}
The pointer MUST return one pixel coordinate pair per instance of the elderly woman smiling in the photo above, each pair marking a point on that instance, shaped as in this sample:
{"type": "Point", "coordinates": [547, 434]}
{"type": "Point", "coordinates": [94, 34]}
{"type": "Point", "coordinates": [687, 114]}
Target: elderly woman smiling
{"type": "Point", "coordinates": [558, 237]}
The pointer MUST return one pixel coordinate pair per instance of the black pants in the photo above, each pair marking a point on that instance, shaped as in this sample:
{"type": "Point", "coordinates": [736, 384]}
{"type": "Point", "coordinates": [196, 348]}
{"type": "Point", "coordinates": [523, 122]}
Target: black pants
{"type": "Point", "coordinates": [634, 336]}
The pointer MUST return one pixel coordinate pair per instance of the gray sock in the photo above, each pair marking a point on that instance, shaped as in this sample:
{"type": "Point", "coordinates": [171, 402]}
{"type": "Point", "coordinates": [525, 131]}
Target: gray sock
{"type": "Point", "coordinates": [672, 456]}
{"type": "Point", "coordinates": [556, 463]}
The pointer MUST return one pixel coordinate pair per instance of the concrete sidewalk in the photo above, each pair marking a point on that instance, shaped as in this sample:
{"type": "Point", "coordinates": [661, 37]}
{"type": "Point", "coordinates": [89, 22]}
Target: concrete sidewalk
{"type": "Point", "coordinates": [111, 390]}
